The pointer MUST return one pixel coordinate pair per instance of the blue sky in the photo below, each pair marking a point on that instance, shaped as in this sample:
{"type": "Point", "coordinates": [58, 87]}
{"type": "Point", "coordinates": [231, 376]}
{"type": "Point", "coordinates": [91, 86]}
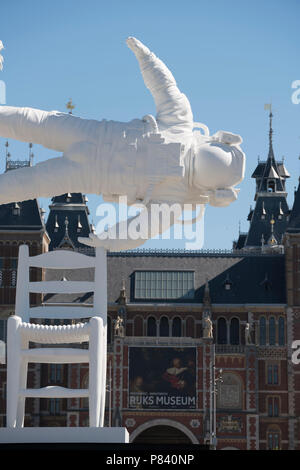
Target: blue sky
{"type": "Point", "coordinates": [229, 57]}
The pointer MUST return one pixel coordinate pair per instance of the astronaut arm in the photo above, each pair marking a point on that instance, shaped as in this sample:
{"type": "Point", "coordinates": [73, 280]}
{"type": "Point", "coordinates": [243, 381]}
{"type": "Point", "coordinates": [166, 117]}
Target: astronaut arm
{"type": "Point", "coordinates": [172, 106]}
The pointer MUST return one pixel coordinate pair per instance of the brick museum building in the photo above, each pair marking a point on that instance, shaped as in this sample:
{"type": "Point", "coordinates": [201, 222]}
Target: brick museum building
{"type": "Point", "coordinates": [171, 378]}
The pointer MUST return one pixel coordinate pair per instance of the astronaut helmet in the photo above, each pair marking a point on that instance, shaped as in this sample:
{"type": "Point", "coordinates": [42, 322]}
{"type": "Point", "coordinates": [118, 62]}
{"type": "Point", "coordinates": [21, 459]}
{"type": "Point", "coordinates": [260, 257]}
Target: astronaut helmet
{"type": "Point", "coordinates": [218, 164]}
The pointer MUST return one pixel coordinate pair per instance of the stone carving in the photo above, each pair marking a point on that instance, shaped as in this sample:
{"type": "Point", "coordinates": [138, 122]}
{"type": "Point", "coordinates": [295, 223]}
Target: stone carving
{"type": "Point", "coordinates": [229, 392]}
{"type": "Point", "coordinates": [248, 334]}
{"type": "Point", "coordinates": [119, 328]}
{"type": "Point", "coordinates": [150, 160]}
{"type": "Point", "coordinates": [208, 327]}
{"type": "Point", "coordinates": [229, 424]}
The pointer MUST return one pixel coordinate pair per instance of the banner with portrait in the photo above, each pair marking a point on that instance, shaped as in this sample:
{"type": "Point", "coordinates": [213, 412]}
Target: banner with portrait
{"type": "Point", "coordinates": [162, 378]}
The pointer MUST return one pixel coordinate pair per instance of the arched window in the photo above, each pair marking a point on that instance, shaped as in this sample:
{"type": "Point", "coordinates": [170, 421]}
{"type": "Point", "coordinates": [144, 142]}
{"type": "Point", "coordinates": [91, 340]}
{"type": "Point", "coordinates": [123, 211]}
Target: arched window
{"type": "Point", "coordinates": [234, 331]}
{"type": "Point", "coordinates": [271, 186]}
{"type": "Point", "coordinates": [273, 438]}
{"type": "Point", "coordinates": [273, 406]}
{"type": "Point", "coordinates": [222, 331]}
{"type": "Point", "coordinates": [164, 327]}
{"type": "Point", "coordinates": [272, 331]}
{"type": "Point", "coordinates": [138, 326]}
{"type": "Point", "coordinates": [190, 327]}
{"type": "Point", "coordinates": [262, 331]}
{"type": "Point", "coordinates": [176, 327]}
{"type": "Point", "coordinates": [151, 327]}
{"type": "Point", "coordinates": [281, 334]}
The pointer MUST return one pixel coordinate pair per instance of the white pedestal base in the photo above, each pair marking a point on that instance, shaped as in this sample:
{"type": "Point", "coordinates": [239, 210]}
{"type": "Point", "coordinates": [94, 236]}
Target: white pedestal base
{"type": "Point", "coordinates": [57, 435]}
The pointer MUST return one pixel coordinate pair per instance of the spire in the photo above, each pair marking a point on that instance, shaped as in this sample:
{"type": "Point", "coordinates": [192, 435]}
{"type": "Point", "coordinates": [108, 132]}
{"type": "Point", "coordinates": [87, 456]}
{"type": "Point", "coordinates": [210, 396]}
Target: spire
{"type": "Point", "coordinates": [121, 300]}
{"type": "Point", "coordinates": [271, 152]}
{"type": "Point", "coordinates": [269, 217]}
{"type": "Point", "coordinates": [66, 241]}
{"type": "Point", "coordinates": [271, 179]}
{"type": "Point", "coordinates": [206, 297]}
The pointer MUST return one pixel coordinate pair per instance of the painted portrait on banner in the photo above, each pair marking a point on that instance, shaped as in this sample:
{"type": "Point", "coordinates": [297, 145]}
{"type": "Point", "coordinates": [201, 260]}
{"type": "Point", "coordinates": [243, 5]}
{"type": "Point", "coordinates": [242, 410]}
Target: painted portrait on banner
{"type": "Point", "coordinates": [162, 378]}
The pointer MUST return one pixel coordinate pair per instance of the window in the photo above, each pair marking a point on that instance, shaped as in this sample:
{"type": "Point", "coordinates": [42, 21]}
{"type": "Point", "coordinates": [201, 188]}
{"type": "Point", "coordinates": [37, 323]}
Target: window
{"type": "Point", "coordinates": [272, 374]}
{"type": "Point", "coordinates": [55, 373]}
{"type": "Point", "coordinates": [234, 331]}
{"type": "Point", "coordinates": [54, 406]}
{"type": "Point", "coordinates": [273, 406]}
{"type": "Point", "coordinates": [273, 439]}
{"type": "Point", "coordinates": [138, 326]}
{"type": "Point", "coordinates": [272, 331]}
{"type": "Point", "coordinates": [151, 327]}
{"type": "Point", "coordinates": [190, 327]}
{"type": "Point", "coordinates": [222, 331]}
{"type": "Point", "coordinates": [176, 327]}
{"type": "Point", "coordinates": [164, 327]}
{"type": "Point", "coordinates": [281, 332]}
{"type": "Point", "coordinates": [262, 331]}
{"type": "Point", "coordinates": [271, 186]}
{"type": "Point", "coordinates": [163, 284]}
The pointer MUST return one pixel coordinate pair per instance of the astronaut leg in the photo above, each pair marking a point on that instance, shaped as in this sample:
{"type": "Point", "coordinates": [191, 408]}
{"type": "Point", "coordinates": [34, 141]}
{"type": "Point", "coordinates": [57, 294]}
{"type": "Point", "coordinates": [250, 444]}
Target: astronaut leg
{"type": "Point", "coordinates": [54, 130]}
{"type": "Point", "coordinates": [46, 179]}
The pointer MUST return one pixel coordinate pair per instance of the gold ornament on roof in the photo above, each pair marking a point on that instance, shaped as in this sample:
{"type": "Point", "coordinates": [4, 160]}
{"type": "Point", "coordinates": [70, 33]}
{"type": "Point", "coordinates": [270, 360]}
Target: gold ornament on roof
{"type": "Point", "coordinates": [70, 106]}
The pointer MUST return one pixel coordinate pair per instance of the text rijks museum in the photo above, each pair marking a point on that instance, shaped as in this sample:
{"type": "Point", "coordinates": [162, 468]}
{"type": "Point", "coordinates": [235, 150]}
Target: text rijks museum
{"type": "Point", "coordinates": [199, 342]}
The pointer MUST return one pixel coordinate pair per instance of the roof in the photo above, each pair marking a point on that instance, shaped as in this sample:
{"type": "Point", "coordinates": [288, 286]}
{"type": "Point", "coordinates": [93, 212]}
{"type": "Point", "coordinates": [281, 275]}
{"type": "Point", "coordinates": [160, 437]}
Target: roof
{"type": "Point", "coordinates": [26, 216]}
{"type": "Point", "coordinates": [246, 273]}
{"type": "Point", "coordinates": [270, 206]}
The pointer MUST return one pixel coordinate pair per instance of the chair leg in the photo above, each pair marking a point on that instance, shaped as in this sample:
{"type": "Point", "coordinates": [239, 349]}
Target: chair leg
{"type": "Point", "coordinates": [104, 371]}
{"type": "Point", "coordinates": [23, 385]}
{"type": "Point", "coordinates": [96, 388]}
{"type": "Point", "coordinates": [13, 370]}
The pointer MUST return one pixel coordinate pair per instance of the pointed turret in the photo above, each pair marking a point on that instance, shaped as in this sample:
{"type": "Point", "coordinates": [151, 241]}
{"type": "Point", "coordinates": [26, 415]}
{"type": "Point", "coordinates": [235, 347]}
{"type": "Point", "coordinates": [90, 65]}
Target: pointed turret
{"type": "Point", "coordinates": [68, 219]}
{"type": "Point", "coordinates": [268, 220]}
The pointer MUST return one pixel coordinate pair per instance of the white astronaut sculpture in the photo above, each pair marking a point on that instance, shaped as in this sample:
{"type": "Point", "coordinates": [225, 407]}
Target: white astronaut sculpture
{"type": "Point", "coordinates": [162, 160]}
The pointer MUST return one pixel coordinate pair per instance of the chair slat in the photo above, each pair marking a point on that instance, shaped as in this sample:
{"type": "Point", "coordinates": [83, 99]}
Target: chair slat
{"type": "Point", "coordinates": [54, 391]}
{"type": "Point", "coordinates": [62, 258]}
{"type": "Point", "coordinates": [61, 287]}
{"type": "Point", "coordinates": [57, 312]}
{"type": "Point", "coordinates": [56, 355]}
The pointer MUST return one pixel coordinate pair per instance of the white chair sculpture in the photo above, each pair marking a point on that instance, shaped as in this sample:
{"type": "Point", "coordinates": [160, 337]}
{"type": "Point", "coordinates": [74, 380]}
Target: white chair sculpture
{"type": "Point", "coordinates": [21, 332]}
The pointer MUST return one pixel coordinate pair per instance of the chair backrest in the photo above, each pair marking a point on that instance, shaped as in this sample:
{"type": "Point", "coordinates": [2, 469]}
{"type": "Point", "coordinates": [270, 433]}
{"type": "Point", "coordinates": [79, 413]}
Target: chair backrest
{"type": "Point", "coordinates": [61, 259]}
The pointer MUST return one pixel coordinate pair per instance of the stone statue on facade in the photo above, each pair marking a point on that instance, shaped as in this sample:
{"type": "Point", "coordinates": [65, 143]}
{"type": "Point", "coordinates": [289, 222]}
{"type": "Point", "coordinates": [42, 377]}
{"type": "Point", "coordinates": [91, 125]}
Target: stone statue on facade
{"type": "Point", "coordinates": [208, 327]}
{"type": "Point", "coordinates": [119, 327]}
{"type": "Point", "coordinates": [168, 159]}
{"type": "Point", "coordinates": [248, 334]}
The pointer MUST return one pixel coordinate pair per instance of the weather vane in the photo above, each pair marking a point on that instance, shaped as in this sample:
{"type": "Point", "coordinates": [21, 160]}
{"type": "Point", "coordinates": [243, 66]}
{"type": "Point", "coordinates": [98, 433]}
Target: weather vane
{"type": "Point", "coordinates": [70, 106]}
